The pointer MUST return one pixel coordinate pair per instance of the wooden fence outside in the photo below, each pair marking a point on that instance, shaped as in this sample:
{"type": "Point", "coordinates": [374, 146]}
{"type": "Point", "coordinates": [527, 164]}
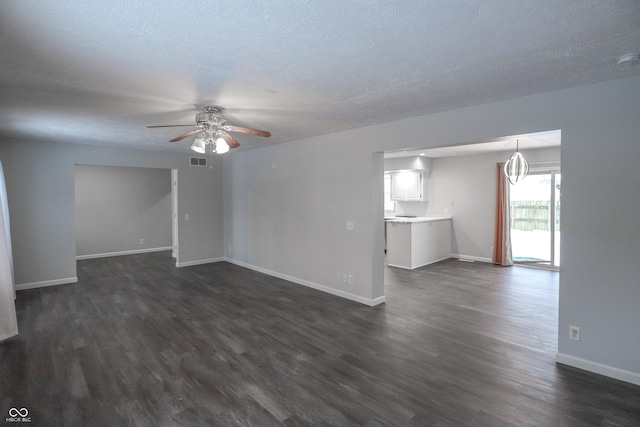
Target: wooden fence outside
{"type": "Point", "coordinates": [529, 215]}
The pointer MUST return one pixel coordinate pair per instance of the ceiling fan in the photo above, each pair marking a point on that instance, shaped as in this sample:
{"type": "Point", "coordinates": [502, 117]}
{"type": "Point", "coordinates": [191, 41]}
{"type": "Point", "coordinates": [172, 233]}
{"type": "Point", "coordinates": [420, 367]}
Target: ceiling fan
{"type": "Point", "coordinates": [214, 131]}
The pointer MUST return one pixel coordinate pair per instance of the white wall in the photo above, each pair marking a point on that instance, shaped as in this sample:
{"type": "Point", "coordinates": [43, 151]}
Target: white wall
{"type": "Point", "coordinates": [40, 185]}
{"type": "Point", "coordinates": [470, 183]}
{"type": "Point", "coordinates": [290, 219]}
{"type": "Point", "coordinates": [116, 206]}
{"type": "Point", "coordinates": [409, 163]}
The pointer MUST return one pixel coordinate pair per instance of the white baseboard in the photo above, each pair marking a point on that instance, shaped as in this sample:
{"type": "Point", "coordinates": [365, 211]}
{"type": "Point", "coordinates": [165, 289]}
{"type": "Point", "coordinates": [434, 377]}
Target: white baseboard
{"type": "Point", "coordinates": [337, 292]}
{"type": "Point", "coordinates": [8, 335]}
{"type": "Point", "coordinates": [470, 258]}
{"type": "Point", "coordinates": [133, 252]}
{"type": "Point", "coordinates": [377, 301]}
{"type": "Point", "coordinates": [199, 262]}
{"type": "Point", "coordinates": [418, 266]}
{"type": "Point", "coordinates": [44, 284]}
{"type": "Point", "coordinates": [598, 368]}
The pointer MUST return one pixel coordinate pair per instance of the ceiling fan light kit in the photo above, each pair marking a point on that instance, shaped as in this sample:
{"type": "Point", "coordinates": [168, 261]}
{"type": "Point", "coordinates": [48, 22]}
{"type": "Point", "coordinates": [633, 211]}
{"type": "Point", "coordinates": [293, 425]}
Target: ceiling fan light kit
{"type": "Point", "coordinates": [221, 146]}
{"type": "Point", "coordinates": [199, 146]}
{"type": "Point", "coordinates": [213, 130]}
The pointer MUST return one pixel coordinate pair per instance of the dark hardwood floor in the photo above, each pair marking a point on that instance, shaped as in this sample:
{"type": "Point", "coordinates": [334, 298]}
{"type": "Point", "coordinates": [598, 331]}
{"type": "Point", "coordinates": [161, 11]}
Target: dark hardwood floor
{"type": "Point", "coordinates": [140, 342]}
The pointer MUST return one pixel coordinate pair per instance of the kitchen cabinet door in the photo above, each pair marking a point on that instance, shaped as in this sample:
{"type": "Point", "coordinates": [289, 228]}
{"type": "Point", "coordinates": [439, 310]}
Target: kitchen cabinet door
{"type": "Point", "coordinates": [407, 186]}
{"type": "Point", "coordinates": [399, 244]}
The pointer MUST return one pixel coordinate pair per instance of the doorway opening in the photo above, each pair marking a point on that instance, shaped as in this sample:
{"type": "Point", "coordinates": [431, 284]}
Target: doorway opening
{"type": "Point", "coordinates": [535, 219]}
{"type": "Point", "coordinates": [461, 184]}
{"type": "Point", "coordinates": [123, 210]}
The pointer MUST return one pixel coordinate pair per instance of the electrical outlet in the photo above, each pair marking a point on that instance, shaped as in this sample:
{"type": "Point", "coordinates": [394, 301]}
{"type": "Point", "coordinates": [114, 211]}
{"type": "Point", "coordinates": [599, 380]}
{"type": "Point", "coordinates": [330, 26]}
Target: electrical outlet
{"type": "Point", "coordinates": [344, 278]}
{"type": "Point", "coordinates": [350, 225]}
{"type": "Point", "coordinates": [142, 241]}
{"type": "Point", "coordinates": [350, 279]}
{"type": "Point", "coordinates": [574, 333]}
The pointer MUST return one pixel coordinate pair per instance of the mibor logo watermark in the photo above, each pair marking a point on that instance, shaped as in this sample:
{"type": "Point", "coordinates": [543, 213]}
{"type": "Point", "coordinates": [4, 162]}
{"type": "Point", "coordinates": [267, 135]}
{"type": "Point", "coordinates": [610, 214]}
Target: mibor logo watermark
{"type": "Point", "coordinates": [18, 415]}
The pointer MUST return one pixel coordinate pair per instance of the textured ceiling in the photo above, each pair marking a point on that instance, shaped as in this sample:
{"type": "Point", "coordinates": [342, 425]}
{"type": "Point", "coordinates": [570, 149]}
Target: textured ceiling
{"type": "Point", "coordinates": [99, 72]}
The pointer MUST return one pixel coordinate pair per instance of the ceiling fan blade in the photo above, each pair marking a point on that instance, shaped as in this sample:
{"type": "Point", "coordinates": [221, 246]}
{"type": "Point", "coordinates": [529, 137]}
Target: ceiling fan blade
{"type": "Point", "coordinates": [170, 126]}
{"type": "Point", "coordinates": [249, 131]}
{"type": "Point", "coordinates": [184, 135]}
{"type": "Point", "coordinates": [231, 141]}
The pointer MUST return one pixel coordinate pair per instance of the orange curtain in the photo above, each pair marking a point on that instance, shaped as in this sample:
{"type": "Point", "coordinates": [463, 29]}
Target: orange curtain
{"type": "Point", "coordinates": [502, 238]}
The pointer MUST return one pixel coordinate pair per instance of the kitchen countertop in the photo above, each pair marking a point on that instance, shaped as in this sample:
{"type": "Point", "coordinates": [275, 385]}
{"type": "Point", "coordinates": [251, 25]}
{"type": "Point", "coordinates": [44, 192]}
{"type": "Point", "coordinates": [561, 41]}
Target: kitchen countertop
{"type": "Point", "coordinates": [404, 220]}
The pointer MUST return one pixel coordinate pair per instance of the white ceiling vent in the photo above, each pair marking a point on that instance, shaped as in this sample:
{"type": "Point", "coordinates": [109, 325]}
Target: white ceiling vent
{"type": "Point", "coordinates": [198, 161]}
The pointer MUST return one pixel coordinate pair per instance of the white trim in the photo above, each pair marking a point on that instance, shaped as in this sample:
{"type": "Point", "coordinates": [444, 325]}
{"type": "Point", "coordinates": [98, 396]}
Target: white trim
{"type": "Point", "coordinates": [544, 168]}
{"type": "Point", "coordinates": [45, 283]}
{"type": "Point", "coordinates": [337, 292]}
{"type": "Point", "coordinates": [133, 252]}
{"type": "Point", "coordinates": [471, 258]}
{"type": "Point", "coordinates": [174, 214]}
{"type": "Point", "coordinates": [377, 301]}
{"type": "Point", "coordinates": [199, 262]}
{"type": "Point", "coordinates": [598, 368]}
{"type": "Point", "coordinates": [418, 266]}
{"type": "Point", "coordinates": [8, 335]}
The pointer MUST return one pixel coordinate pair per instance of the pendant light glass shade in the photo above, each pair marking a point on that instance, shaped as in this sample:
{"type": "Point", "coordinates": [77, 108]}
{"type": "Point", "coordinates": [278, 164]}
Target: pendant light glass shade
{"type": "Point", "coordinates": [516, 168]}
{"type": "Point", "coordinates": [221, 146]}
{"type": "Point", "coordinates": [198, 145]}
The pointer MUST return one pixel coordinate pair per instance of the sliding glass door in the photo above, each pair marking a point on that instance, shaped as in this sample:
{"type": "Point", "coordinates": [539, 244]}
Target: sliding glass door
{"type": "Point", "coordinates": [535, 220]}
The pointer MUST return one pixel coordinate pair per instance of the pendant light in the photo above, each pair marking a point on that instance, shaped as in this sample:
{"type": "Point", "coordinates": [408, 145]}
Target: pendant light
{"type": "Point", "coordinates": [516, 168]}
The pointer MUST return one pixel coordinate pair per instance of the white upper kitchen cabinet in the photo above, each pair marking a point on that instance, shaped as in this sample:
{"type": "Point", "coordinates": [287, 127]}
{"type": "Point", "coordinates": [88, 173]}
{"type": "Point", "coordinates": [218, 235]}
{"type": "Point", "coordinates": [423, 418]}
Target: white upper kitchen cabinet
{"type": "Point", "coordinates": [407, 186]}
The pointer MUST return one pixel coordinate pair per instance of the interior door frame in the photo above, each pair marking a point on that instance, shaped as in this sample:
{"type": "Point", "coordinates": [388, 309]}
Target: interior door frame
{"type": "Point", "coordinates": [553, 169]}
{"type": "Point", "coordinates": [174, 214]}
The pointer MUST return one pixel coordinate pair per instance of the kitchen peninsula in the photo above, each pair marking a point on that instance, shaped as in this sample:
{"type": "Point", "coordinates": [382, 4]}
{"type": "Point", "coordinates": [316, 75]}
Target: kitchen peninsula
{"type": "Point", "coordinates": [414, 242]}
